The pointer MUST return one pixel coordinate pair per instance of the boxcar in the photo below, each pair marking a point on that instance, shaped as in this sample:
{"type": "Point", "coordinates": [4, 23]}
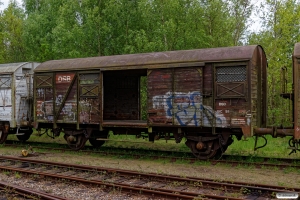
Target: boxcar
{"type": "Point", "coordinates": [203, 95]}
{"type": "Point", "coordinates": [16, 100]}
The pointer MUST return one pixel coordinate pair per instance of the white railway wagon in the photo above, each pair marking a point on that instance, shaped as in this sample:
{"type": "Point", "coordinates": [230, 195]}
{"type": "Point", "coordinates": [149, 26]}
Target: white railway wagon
{"type": "Point", "coordinates": [16, 110]}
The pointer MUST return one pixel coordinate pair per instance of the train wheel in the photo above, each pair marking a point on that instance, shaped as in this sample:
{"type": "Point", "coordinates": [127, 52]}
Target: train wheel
{"type": "Point", "coordinates": [75, 142]}
{"type": "Point", "coordinates": [100, 134]}
{"type": "Point", "coordinates": [203, 150]}
{"type": "Point", "coordinates": [26, 136]}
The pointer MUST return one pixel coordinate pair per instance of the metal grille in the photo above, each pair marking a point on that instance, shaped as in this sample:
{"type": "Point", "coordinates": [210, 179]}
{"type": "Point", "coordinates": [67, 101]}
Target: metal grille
{"type": "Point", "coordinates": [231, 74]}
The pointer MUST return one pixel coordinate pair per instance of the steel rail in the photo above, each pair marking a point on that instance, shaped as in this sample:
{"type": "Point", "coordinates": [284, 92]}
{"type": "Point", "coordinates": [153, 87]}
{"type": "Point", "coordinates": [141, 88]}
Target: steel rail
{"type": "Point", "coordinates": [153, 192]}
{"type": "Point", "coordinates": [205, 182]}
{"type": "Point", "coordinates": [28, 192]}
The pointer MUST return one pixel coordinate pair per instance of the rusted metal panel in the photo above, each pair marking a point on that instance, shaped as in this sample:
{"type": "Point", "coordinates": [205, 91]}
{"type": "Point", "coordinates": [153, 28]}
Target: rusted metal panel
{"type": "Point", "coordinates": [44, 104]}
{"type": "Point", "coordinates": [231, 102]}
{"type": "Point", "coordinates": [65, 98]}
{"type": "Point", "coordinates": [89, 101]}
{"type": "Point", "coordinates": [187, 79]}
{"type": "Point", "coordinates": [231, 81]}
{"type": "Point", "coordinates": [121, 97]}
{"type": "Point", "coordinates": [125, 123]}
{"type": "Point", "coordinates": [188, 96]}
{"type": "Point", "coordinates": [255, 93]}
{"type": "Point", "coordinates": [44, 97]}
{"type": "Point", "coordinates": [44, 80]}
{"type": "Point", "coordinates": [68, 97]}
{"type": "Point", "coordinates": [208, 80]}
{"type": "Point", "coordinates": [146, 60]}
{"type": "Point", "coordinates": [296, 79]}
{"type": "Point", "coordinates": [232, 111]}
{"type": "Point", "coordinates": [175, 97]}
{"type": "Point", "coordinates": [230, 90]}
{"type": "Point", "coordinates": [160, 89]}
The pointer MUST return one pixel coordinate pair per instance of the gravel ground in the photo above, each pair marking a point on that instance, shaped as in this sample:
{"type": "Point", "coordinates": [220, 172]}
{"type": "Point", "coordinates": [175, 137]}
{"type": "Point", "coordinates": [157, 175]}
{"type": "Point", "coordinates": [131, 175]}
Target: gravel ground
{"type": "Point", "coordinates": [70, 190]}
{"type": "Point", "coordinates": [288, 178]}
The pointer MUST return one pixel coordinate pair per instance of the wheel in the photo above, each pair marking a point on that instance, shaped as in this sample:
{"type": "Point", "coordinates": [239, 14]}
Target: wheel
{"type": "Point", "coordinates": [100, 134]}
{"type": "Point", "coordinates": [203, 151]}
{"type": "Point", "coordinates": [75, 142]}
{"type": "Point", "coordinates": [23, 138]}
{"type": "Point", "coordinates": [26, 136]}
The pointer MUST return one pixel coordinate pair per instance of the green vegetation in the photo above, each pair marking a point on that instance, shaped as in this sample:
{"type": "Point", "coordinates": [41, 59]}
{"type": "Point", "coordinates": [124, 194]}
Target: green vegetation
{"type": "Point", "coordinates": [276, 147]}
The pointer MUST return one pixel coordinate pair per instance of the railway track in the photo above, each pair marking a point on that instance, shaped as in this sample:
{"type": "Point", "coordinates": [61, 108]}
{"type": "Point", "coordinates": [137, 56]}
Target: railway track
{"type": "Point", "coordinates": [153, 185]}
{"type": "Point", "coordinates": [27, 193]}
{"type": "Point", "coordinates": [278, 163]}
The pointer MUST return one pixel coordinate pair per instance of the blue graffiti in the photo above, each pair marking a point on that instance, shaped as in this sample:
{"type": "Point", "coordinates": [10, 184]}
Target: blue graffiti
{"type": "Point", "coordinates": [189, 110]}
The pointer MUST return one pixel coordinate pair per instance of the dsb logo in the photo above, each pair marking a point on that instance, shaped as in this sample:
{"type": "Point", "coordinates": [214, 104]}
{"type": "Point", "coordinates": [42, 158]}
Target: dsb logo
{"type": "Point", "coordinates": [63, 79]}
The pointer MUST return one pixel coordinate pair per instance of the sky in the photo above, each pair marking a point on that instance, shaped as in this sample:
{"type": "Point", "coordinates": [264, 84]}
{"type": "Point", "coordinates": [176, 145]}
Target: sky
{"type": "Point", "coordinates": [6, 2]}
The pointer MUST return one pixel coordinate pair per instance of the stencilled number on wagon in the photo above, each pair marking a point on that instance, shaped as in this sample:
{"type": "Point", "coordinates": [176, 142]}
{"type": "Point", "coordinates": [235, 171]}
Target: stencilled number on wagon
{"type": "Point", "coordinates": [64, 77]}
{"type": "Point", "coordinates": [61, 79]}
{"type": "Point", "coordinates": [222, 104]}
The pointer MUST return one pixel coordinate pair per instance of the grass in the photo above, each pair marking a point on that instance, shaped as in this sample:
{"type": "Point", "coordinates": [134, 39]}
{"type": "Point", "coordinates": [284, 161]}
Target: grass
{"type": "Point", "coordinates": [276, 147]}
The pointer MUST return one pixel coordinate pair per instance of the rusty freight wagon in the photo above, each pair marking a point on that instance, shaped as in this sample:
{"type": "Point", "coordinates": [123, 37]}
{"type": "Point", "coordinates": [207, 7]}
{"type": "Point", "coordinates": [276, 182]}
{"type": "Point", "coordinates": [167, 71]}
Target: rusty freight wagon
{"type": "Point", "coordinates": [203, 95]}
{"type": "Point", "coordinates": [16, 100]}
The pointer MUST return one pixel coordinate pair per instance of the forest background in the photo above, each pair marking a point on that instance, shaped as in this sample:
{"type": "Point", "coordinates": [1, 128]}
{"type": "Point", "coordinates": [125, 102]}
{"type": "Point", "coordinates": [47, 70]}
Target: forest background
{"type": "Point", "coordinates": [42, 30]}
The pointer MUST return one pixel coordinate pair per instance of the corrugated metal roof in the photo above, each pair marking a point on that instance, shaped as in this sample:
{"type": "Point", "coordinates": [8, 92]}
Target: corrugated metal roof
{"type": "Point", "coordinates": [147, 59]}
{"type": "Point", "coordinates": [10, 68]}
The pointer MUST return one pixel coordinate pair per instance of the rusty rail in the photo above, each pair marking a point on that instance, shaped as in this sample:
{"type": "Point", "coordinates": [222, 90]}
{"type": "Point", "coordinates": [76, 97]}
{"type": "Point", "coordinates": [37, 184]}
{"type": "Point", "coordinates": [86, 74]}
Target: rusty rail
{"type": "Point", "coordinates": [153, 192]}
{"type": "Point", "coordinates": [234, 186]}
{"type": "Point", "coordinates": [28, 192]}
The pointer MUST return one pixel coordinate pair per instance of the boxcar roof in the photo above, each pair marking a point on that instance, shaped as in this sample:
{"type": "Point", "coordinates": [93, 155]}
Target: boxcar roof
{"type": "Point", "coordinates": [146, 60]}
{"type": "Point", "coordinates": [297, 50]}
{"type": "Point", "coordinates": [10, 68]}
